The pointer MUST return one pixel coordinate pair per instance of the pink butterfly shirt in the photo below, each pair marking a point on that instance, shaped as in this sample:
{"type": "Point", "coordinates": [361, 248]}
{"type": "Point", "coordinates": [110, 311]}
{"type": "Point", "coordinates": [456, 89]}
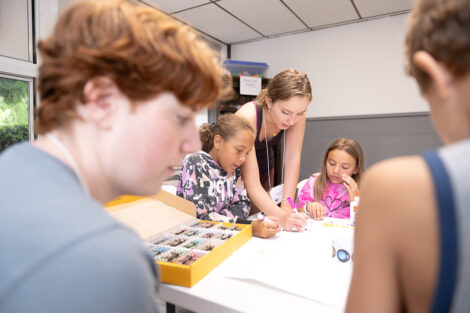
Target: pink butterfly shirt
{"type": "Point", "coordinates": [335, 198]}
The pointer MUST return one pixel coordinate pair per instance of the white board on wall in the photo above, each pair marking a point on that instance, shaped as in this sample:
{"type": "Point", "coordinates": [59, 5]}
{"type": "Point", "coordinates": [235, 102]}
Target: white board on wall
{"type": "Point", "coordinates": [355, 69]}
{"type": "Point", "coordinates": [201, 117]}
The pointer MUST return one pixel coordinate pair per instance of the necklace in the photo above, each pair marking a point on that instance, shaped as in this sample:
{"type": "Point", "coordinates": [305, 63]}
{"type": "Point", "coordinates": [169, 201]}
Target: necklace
{"type": "Point", "coordinates": [265, 131]}
{"type": "Point", "coordinates": [70, 159]}
{"type": "Point", "coordinates": [267, 152]}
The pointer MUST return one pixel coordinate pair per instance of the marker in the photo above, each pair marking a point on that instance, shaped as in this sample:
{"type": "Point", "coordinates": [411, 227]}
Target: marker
{"type": "Point", "coordinates": [292, 205]}
{"type": "Point", "coordinates": [294, 209]}
{"type": "Point", "coordinates": [263, 217]}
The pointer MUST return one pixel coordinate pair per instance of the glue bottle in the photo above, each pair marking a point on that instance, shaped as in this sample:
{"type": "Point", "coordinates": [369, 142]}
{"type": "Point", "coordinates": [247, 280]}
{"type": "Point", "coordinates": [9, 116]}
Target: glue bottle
{"type": "Point", "coordinates": [357, 198]}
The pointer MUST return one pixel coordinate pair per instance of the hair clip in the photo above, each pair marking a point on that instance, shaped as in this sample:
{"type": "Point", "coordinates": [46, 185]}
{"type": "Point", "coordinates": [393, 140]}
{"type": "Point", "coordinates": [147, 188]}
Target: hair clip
{"type": "Point", "coordinates": [171, 256]}
{"type": "Point", "coordinates": [191, 244]}
{"type": "Point", "coordinates": [187, 259]}
{"type": "Point", "coordinates": [204, 225]}
{"type": "Point", "coordinates": [156, 251]}
{"type": "Point", "coordinates": [179, 232]}
{"type": "Point", "coordinates": [159, 240]}
{"type": "Point", "coordinates": [224, 236]}
{"type": "Point", "coordinates": [208, 247]}
{"type": "Point", "coordinates": [175, 242]}
{"type": "Point", "coordinates": [208, 235]}
{"type": "Point", "coordinates": [191, 232]}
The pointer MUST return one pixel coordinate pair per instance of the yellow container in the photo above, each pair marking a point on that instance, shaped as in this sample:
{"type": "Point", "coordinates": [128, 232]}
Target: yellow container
{"type": "Point", "coordinates": [177, 274]}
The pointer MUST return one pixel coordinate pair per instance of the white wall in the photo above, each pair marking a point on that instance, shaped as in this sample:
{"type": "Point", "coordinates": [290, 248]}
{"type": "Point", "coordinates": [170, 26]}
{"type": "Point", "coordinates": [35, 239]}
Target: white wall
{"type": "Point", "coordinates": [355, 69]}
{"type": "Point", "coordinates": [47, 15]}
{"type": "Point", "coordinates": [14, 29]}
{"type": "Point", "coordinates": [63, 4]}
{"type": "Point", "coordinates": [15, 52]}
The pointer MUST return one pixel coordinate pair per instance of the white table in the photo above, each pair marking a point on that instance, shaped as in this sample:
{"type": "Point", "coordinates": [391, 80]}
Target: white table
{"type": "Point", "coordinates": [224, 290]}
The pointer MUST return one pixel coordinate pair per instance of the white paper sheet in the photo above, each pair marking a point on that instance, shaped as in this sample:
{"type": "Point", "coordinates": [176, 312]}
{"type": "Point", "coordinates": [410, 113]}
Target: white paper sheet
{"type": "Point", "coordinates": [250, 85]}
{"type": "Point", "coordinates": [299, 263]}
{"type": "Point", "coordinates": [276, 193]}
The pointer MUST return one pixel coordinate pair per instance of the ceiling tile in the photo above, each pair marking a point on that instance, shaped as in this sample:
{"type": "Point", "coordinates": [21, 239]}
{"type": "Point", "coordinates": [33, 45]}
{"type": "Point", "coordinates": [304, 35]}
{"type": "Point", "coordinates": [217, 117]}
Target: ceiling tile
{"type": "Point", "coordinates": [369, 8]}
{"type": "Point", "coordinates": [170, 6]}
{"type": "Point", "coordinates": [276, 18]}
{"type": "Point", "coordinates": [217, 23]}
{"type": "Point", "coordinates": [319, 12]}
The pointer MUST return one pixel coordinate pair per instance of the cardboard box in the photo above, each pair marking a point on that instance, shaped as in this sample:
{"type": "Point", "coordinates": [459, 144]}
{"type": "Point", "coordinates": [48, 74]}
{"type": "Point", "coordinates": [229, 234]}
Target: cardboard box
{"type": "Point", "coordinates": [151, 220]}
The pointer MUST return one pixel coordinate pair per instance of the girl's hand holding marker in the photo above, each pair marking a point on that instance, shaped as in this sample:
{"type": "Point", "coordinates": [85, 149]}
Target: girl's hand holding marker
{"type": "Point", "coordinates": [265, 227]}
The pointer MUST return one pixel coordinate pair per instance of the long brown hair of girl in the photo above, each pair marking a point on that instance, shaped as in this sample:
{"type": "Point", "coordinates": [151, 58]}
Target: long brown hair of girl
{"type": "Point", "coordinates": [353, 148]}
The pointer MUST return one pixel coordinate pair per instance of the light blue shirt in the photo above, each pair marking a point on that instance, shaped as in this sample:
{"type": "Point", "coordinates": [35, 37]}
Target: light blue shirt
{"type": "Point", "coordinates": [59, 250]}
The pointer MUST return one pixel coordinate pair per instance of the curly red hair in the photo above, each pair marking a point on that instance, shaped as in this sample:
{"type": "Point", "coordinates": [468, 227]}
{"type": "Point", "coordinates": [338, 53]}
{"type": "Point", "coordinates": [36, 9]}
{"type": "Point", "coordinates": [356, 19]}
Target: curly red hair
{"type": "Point", "coordinates": [142, 50]}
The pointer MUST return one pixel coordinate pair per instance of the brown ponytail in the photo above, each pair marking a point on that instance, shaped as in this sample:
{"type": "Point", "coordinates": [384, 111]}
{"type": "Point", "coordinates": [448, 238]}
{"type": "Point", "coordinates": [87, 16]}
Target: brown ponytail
{"type": "Point", "coordinates": [226, 126]}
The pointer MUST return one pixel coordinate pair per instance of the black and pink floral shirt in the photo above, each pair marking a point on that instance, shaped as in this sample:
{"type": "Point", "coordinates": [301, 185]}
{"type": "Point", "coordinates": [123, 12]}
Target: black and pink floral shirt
{"type": "Point", "coordinates": [217, 196]}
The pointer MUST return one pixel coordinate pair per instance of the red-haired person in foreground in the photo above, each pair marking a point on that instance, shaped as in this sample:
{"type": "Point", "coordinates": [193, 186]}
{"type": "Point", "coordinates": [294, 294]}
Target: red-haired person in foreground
{"type": "Point", "coordinates": [120, 86]}
{"type": "Point", "coordinates": [412, 242]}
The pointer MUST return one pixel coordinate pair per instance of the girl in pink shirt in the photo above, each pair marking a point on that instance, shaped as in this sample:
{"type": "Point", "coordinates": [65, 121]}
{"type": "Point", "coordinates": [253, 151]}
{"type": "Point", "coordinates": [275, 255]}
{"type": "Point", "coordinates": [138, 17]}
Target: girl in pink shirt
{"type": "Point", "coordinates": [329, 192]}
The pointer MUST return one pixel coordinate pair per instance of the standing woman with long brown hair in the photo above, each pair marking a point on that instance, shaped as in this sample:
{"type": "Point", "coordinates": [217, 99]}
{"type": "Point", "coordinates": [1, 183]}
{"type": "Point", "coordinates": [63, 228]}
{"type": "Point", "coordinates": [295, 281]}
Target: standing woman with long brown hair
{"type": "Point", "coordinates": [277, 113]}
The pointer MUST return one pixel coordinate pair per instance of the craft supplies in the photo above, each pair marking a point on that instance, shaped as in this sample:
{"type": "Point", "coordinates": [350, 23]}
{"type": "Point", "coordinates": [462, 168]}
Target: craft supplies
{"type": "Point", "coordinates": [176, 239]}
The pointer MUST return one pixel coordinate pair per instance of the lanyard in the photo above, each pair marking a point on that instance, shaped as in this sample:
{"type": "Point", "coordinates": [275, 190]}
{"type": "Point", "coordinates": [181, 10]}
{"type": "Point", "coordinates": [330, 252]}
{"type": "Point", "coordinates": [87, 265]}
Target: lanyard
{"type": "Point", "coordinates": [267, 152]}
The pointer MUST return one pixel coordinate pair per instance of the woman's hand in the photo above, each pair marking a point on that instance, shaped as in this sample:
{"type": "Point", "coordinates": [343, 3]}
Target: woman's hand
{"type": "Point", "coordinates": [290, 221]}
{"type": "Point", "coordinates": [351, 187]}
{"type": "Point", "coordinates": [265, 228]}
{"type": "Point", "coordinates": [316, 210]}
{"type": "Point", "coordinates": [285, 206]}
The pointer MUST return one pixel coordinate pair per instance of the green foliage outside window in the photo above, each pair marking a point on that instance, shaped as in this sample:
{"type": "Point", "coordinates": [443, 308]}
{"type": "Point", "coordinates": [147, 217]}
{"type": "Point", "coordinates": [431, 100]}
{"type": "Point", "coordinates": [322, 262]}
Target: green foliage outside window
{"type": "Point", "coordinates": [14, 112]}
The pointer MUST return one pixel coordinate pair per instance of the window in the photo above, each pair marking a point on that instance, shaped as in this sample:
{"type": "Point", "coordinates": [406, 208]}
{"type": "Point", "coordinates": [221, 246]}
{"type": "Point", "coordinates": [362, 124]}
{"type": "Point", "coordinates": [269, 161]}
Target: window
{"type": "Point", "coordinates": [15, 111]}
{"type": "Point", "coordinates": [22, 23]}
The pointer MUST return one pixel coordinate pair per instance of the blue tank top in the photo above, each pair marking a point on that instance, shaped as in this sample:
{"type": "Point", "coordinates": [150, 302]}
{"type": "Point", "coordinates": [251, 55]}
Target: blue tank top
{"type": "Point", "coordinates": [450, 169]}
